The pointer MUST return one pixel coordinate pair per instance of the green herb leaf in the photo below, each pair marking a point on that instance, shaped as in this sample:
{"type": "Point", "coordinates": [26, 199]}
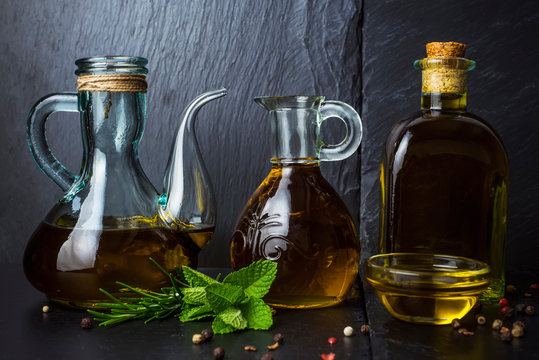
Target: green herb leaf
{"type": "Point", "coordinates": [257, 313]}
{"type": "Point", "coordinates": [232, 316]}
{"type": "Point", "coordinates": [234, 304]}
{"type": "Point", "coordinates": [220, 327]}
{"type": "Point", "coordinates": [255, 279]}
{"type": "Point", "coordinates": [222, 296]}
{"type": "Point", "coordinates": [194, 278]}
{"type": "Point", "coordinates": [194, 295]}
{"type": "Point", "coordinates": [190, 313]}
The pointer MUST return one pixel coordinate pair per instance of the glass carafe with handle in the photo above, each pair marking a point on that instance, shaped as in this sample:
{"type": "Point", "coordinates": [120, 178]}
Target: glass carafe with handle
{"type": "Point", "coordinates": [111, 219]}
{"type": "Point", "coordinates": [295, 217]}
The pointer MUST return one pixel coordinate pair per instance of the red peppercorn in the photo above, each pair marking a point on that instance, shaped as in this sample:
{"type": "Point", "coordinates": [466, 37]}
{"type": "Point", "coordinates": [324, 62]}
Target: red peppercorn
{"type": "Point", "coordinates": [503, 302]}
{"type": "Point", "coordinates": [330, 356]}
{"type": "Point", "coordinates": [365, 329]}
{"type": "Point", "coordinates": [332, 340]}
{"type": "Point", "coordinates": [504, 309]}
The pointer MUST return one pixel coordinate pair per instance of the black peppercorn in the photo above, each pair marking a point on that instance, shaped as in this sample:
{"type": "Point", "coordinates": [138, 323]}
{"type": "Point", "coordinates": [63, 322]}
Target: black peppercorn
{"type": "Point", "coordinates": [219, 353]}
{"type": "Point", "coordinates": [520, 308]}
{"type": "Point", "coordinates": [279, 338]}
{"type": "Point", "coordinates": [86, 323]}
{"type": "Point", "coordinates": [207, 334]}
{"type": "Point", "coordinates": [266, 357]}
{"type": "Point", "coordinates": [508, 312]}
{"type": "Point", "coordinates": [529, 310]}
{"type": "Point", "coordinates": [455, 323]}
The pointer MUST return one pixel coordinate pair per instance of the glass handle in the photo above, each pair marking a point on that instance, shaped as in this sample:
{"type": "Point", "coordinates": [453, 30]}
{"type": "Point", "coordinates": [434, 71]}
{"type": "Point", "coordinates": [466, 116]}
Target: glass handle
{"type": "Point", "coordinates": [354, 130]}
{"type": "Point", "coordinates": [37, 139]}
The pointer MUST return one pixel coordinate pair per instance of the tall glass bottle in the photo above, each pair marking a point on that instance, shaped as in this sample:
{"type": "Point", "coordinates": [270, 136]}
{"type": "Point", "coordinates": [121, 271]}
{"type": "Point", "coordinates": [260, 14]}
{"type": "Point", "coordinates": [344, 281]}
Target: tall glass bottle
{"type": "Point", "coordinates": [445, 172]}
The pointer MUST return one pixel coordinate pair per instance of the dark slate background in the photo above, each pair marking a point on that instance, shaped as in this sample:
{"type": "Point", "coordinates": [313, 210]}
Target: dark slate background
{"type": "Point", "coordinates": [502, 37]}
{"type": "Point", "coordinates": [360, 52]}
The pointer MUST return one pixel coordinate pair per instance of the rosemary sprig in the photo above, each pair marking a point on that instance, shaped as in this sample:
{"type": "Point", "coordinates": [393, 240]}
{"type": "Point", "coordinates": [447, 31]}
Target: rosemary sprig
{"type": "Point", "coordinates": [150, 305]}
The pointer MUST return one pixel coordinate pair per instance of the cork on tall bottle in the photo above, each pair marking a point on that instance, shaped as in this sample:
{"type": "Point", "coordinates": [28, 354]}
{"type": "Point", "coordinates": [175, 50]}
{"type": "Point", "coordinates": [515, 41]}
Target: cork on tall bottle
{"type": "Point", "coordinates": [448, 49]}
{"type": "Point", "coordinates": [440, 75]}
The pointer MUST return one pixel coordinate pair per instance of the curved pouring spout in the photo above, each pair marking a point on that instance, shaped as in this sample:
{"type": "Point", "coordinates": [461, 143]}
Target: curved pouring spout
{"type": "Point", "coordinates": [188, 198]}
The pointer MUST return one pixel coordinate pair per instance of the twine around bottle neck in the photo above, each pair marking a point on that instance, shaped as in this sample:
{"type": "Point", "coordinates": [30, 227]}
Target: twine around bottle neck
{"type": "Point", "coordinates": [113, 83]}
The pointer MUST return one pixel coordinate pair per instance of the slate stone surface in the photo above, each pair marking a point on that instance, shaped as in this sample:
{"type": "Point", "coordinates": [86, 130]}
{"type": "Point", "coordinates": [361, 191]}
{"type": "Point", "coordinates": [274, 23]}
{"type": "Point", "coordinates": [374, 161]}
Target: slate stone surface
{"type": "Point", "coordinates": [395, 339]}
{"type": "Point", "coordinates": [28, 333]}
{"type": "Point", "coordinates": [251, 47]}
{"type": "Point", "coordinates": [502, 90]}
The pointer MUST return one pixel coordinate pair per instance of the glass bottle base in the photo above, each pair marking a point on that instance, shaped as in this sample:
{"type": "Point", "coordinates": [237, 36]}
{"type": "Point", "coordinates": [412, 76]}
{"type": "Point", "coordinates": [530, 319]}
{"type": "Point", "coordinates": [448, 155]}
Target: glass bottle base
{"type": "Point", "coordinates": [303, 302]}
{"type": "Point", "coordinates": [494, 292]}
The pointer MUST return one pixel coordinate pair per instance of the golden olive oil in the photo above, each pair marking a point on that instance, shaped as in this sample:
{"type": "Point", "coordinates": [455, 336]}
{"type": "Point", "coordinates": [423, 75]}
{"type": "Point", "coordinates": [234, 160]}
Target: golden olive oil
{"type": "Point", "coordinates": [444, 190]}
{"type": "Point", "coordinates": [70, 265]}
{"type": "Point", "coordinates": [445, 173]}
{"type": "Point", "coordinates": [425, 290]}
{"type": "Point", "coordinates": [436, 309]}
{"type": "Point", "coordinates": [296, 219]}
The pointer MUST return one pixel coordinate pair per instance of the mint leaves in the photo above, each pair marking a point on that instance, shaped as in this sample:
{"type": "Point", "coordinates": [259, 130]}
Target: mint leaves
{"type": "Point", "coordinates": [234, 304]}
{"type": "Point", "coordinates": [255, 280]}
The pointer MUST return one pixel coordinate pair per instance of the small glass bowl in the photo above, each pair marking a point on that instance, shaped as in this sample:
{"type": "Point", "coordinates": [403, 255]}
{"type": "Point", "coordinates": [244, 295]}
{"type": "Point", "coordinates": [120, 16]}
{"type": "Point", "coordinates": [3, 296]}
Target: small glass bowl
{"type": "Point", "coordinates": [427, 288]}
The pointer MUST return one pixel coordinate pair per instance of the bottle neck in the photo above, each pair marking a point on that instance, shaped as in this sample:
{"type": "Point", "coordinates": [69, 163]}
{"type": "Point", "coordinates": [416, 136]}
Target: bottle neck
{"type": "Point", "coordinates": [113, 123]}
{"type": "Point", "coordinates": [294, 136]}
{"type": "Point", "coordinates": [444, 83]}
{"type": "Point", "coordinates": [443, 102]}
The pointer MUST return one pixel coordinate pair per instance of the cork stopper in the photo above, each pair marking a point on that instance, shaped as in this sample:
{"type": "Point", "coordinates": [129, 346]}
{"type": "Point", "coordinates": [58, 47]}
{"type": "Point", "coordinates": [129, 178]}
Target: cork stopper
{"type": "Point", "coordinates": [448, 49]}
{"type": "Point", "coordinates": [441, 73]}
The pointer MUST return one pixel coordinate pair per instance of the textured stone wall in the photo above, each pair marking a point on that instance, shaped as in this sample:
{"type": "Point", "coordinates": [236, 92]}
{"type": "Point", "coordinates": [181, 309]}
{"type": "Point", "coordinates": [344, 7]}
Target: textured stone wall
{"type": "Point", "coordinates": [251, 47]}
{"type": "Point", "coordinates": [353, 51]}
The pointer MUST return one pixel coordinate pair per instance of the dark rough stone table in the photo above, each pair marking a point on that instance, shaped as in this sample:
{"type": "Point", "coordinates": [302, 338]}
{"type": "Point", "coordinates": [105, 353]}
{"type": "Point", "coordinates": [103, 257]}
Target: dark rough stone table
{"type": "Point", "coordinates": [28, 333]}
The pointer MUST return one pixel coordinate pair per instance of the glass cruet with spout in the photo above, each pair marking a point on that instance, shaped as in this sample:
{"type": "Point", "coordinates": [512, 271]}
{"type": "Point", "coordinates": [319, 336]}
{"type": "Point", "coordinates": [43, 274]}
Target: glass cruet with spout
{"type": "Point", "coordinates": [295, 217]}
{"type": "Point", "coordinates": [111, 219]}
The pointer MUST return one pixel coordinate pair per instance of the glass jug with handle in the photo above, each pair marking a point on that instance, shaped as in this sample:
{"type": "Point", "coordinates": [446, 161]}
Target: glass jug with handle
{"type": "Point", "coordinates": [110, 219]}
{"type": "Point", "coordinates": [295, 217]}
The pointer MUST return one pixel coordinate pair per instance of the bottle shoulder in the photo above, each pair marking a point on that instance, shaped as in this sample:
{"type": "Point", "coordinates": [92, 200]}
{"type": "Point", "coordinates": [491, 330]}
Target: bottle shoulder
{"type": "Point", "coordinates": [299, 185]}
{"type": "Point", "coordinates": [427, 132]}
{"type": "Point", "coordinates": [442, 120]}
